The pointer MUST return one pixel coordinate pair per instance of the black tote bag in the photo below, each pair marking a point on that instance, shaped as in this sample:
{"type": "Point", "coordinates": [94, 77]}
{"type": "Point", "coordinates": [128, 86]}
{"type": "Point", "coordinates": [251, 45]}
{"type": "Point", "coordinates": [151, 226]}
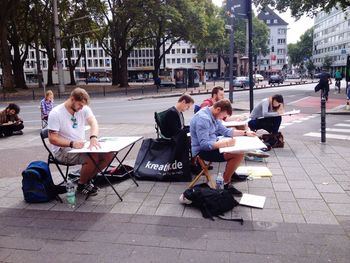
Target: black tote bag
{"type": "Point", "coordinates": [163, 160]}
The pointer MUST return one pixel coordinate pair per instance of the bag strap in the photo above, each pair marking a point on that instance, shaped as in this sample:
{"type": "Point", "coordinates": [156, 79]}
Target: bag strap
{"type": "Point", "coordinates": [233, 219]}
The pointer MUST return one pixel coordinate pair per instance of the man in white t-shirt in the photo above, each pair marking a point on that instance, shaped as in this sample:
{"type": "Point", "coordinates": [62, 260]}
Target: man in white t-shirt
{"type": "Point", "coordinates": [66, 126]}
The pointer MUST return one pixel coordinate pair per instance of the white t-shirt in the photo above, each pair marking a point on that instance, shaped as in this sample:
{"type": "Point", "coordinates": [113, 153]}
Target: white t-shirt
{"type": "Point", "coordinates": [60, 120]}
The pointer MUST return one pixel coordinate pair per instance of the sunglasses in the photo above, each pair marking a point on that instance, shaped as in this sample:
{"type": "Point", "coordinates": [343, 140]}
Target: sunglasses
{"type": "Point", "coordinates": [75, 124]}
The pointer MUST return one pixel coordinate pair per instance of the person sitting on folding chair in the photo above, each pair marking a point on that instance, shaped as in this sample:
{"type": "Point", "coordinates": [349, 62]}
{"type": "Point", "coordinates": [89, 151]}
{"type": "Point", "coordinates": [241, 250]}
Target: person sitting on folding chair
{"type": "Point", "coordinates": [46, 105]}
{"type": "Point", "coordinates": [217, 93]}
{"type": "Point", "coordinates": [205, 127]}
{"type": "Point", "coordinates": [173, 119]}
{"type": "Point", "coordinates": [66, 126]}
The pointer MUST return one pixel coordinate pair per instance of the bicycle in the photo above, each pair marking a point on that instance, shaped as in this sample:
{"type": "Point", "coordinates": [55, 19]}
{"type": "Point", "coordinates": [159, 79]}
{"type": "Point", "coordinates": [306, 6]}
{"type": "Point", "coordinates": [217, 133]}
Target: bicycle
{"type": "Point", "coordinates": [337, 85]}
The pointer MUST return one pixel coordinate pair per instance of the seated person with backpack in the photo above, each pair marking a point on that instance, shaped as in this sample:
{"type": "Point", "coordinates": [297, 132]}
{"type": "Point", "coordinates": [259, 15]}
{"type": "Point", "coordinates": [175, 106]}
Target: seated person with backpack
{"type": "Point", "coordinates": [10, 122]}
{"type": "Point", "coordinates": [205, 128]}
{"type": "Point", "coordinates": [173, 120]}
{"type": "Point", "coordinates": [66, 126]}
{"type": "Point", "coordinates": [266, 114]}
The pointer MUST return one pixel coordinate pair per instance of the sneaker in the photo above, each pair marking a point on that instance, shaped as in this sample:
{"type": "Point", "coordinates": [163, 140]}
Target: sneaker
{"type": "Point", "coordinates": [258, 153]}
{"type": "Point", "coordinates": [232, 189]}
{"type": "Point", "coordinates": [238, 177]}
{"type": "Point", "coordinates": [87, 189]}
{"type": "Point", "coordinates": [253, 158]}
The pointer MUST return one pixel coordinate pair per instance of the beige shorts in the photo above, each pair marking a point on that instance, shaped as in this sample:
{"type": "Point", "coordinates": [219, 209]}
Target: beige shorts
{"type": "Point", "coordinates": [71, 158]}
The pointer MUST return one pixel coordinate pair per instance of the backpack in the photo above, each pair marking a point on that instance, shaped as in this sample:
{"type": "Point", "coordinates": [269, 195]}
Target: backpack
{"type": "Point", "coordinates": [211, 202]}
{"type": "Point", "coordinates": [37, 184]}
{"type": "Point", "coordinates": [273, 140]}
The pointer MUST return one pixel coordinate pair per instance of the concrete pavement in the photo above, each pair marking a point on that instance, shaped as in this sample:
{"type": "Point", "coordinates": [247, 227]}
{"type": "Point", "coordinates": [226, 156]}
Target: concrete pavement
{"type": "Point", "coordinates": [306, 217]}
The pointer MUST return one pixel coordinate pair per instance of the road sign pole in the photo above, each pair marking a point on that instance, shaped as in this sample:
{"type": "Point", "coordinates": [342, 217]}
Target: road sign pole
{"type": "Point", "coordinates": [250, 53]}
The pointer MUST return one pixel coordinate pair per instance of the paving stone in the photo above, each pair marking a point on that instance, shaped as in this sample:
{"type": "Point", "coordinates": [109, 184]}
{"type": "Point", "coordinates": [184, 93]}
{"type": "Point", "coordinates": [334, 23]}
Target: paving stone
{"type": "Point", "coordinates": [345, 185]}
{"type": "Point", "coordinates": [170, 210]}
{"type": "Point", "coordinates": [254, 258]}
{"type": "Point", "coordinates": [20, 243]}
{"type": "Point", "coordinates": [338, 198]}
{"type": "Point", "coordinates": [320, 217]}
{"type": "Point", "coordinates": [306, 194]}
{"type": "Point", "coordinates": [281, 187]}
{"type": "Point", "coordinates": [276, 248]}
{"type": "Point", "coordinates": [301, 184]}
{"type": "Point", "coordinates": [260, 183]}
{"type": "Point", "coordinates": [203, 256]}
{"type": "Point", "coordinates": [230, 246]}
{"type": "Point", "coordinates": [312, 205]}
{"type": "Point", "coordinates": [278, 179]}
{"type": "Point", "coordinates": [154, 254]}
{"type": "Point", "coordinates": [340, 209]}
{"type": "Point", "coordinates": [268, 192]}
{"type": "Point", "coordinates": [192, 212]}
{"type": "Point", "coordinates": [271, 203]}
{"type": "Point", "coordinates": [139, 239]}
{"type": "Point", "coordinates": [293, 218]}
{"type": "Point", "coordinates": [134, 197]}
{"type": "Point", "coordinates": [329, 188]}
{"type": "Point", "coordinates": [270, 215]}
{"type": "Point", "coordinates": [126, 207]}
{"type": "Point", "coordinates": [285, 196]}
{"type": "Point", "coordinates": [157, 190]}
{"type": "Point", "coordinates": [289, 207]}
{"type": "Point", "coordinates": [170, 198]}
{"type": "Point", "coordinates": [97, 236]}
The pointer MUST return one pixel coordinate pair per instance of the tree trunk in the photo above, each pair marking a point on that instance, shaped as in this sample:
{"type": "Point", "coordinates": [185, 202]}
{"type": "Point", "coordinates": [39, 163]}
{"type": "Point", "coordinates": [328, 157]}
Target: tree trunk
{"type": "Point", "coordinates": [17, 65]}
{"type": "Point", "coordinates": [157, 62]}
{"type": "Point", "coordinates": [71, 74]}
{"type": "Point", "coordinates": [5, 57]}
{"type": "Point", "coordinates": [115, 71]}
{"type": "Point", "coordinates": [123, 72]}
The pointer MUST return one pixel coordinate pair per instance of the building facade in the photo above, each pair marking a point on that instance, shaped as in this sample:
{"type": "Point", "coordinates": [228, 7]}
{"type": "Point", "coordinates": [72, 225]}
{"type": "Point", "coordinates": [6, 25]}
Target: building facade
{"type": "Point", "coordinates": [274, 61]}
{"type": "Point", "coordinates": [331, 38]}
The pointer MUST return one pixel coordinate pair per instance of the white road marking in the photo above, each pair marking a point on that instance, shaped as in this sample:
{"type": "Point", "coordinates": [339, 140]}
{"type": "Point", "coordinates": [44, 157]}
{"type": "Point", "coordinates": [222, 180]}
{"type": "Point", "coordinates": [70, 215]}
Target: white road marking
{"type": "Point", "coordinates": [338, 130]}
{"type": "Point", "coordinates": [342, 125]}
{"type": "Point", "coordinates": [328, 135]}
{"type": "Point", "coordinates": [295, 101]}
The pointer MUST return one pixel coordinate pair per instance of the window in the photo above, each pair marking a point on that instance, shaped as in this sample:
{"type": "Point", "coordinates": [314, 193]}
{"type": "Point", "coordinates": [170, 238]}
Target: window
{"type": "Point", "coordinates": [280, 51]}
{"type": "Point", "coordinates": [280, 61]}
{"type": "Point", "coordinates": [178, 51]}
{"type": "Point", "coordinates": [268, 21]}
{"type": "Point", "coordinates": [209, 60]}
{"type": "Point", "coordinates": [275, 21]}
{"type": "Point", "coordinates": [183, 60]}
{"type": "Point", "coordinates": [101, 63]}
{"type": "Point", "coordinates": [281, 41]}
{"type": "Point", "coordinates": [94, 53]}
{"type": "Point", "coordinates": [214, 60]}
{"type": "Point", "coordinates": [178, 61]}
{"type": "Point", "coordinates": [173, 60]}
{"type": "Point", "coordinates": [183, 51]}
{"type": "Point", "coordinates": [89, 54]}
{"type": "Point", "coordinates": [194, 51]}
{"type": "Point", "coordinates": [188, 60]}
{"type": "Point", "coordinates": [168, 60]}
{"type": "Point", "coordinates": [172, 51]}
{"type": "Point", "coordinates": [188, 51]}
{"type": "Point", "coordinates": [151, 53]}
{"type": "Point", "coordinates": [101, 53]}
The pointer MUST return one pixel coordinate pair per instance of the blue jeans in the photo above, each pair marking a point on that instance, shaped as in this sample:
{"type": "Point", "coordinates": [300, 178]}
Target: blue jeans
{"type": "Point", "coordinates": [271, 124]}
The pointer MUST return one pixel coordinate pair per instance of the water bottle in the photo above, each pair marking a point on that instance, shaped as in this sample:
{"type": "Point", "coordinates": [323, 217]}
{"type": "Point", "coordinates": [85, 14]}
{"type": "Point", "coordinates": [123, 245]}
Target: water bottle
{"type": "Point", "coordinates": [219, 181]}
{"type": "Point", "coordinates": [70, 194]}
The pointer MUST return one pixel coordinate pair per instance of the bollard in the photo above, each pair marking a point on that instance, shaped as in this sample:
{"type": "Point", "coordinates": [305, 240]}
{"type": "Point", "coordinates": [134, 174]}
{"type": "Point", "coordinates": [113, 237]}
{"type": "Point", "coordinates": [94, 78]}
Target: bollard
{"type": "Point", "coordinates": [142, 89]}
{"type": "Point", "coordinates": [33, 94]}
{"type": "Point", "coordinates": [104, 91]}
{"type": "Point", "coordinates": [323, 119]}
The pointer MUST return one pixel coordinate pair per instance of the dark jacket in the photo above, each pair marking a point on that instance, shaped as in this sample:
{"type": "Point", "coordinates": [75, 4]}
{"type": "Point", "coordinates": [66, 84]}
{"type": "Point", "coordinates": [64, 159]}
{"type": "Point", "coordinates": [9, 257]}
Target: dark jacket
{"type": "Point", "coordinates": [172, 123]}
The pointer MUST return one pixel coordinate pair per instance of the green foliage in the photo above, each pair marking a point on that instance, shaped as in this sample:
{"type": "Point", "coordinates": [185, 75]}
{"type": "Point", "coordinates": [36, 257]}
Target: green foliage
{"type": "Point", "coordinates": [303, 7]}
{"type": "Point", "coordinates": [327, 62]}
{"type": "Point", "coordinates": [302, 49]}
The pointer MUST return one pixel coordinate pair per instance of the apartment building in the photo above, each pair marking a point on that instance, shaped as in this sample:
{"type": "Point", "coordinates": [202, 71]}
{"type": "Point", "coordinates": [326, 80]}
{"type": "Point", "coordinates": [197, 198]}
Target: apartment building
{"type": "Point", "coordinates": [274, 61]}
{"type": "Point", "coordinates": [332, 38]}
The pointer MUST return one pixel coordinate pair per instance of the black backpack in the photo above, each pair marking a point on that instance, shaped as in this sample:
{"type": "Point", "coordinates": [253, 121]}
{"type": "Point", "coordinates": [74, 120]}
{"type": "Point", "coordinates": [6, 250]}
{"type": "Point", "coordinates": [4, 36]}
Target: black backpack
{"type": "Point", "coordinates": [211, 202]}
{"type": "Point", "coordinates": [37, 184]}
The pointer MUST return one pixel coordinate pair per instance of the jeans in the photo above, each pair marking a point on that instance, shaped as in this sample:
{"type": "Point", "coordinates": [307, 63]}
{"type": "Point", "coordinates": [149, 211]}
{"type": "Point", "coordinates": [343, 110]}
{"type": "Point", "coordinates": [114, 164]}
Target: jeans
{"type": "Point", "coordinates": [271, 124]}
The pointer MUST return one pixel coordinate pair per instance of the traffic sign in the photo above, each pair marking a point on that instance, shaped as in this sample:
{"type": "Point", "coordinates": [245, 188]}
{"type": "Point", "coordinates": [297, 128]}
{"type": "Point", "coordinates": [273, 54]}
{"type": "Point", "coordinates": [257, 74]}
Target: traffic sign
{"type": "Point", "coordinates": [239, 7]}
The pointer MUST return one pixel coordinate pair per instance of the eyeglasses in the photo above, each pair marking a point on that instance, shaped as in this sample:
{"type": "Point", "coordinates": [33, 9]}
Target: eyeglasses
{"type": "Point", "coordinates": [75, 124]}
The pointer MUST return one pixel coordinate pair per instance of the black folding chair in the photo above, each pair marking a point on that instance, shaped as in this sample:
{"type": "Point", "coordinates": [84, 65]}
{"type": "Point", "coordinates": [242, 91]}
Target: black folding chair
{"type": "Point", "coordinates": [44, 133]}
{"type": "Point", "coordinates": [159, 119]}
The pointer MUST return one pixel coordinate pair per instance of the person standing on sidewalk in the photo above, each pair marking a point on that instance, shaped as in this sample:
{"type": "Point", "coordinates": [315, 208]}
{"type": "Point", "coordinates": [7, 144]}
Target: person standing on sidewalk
{"type": "Point", "coordinates": [66, 126]}
{"type": "Point", "coordinates": [266, 114]}
{"type": "Point", "coordinates": [10, 122]}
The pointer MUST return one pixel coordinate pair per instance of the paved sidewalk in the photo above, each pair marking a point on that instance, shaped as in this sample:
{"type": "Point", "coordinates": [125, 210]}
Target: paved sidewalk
{"type": "Point", "coordinates": [306, 217]}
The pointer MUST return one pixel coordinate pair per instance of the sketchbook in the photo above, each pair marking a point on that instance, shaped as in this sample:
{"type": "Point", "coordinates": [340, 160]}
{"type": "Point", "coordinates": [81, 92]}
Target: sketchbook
{"type": "Point", "coordinates": [254, 171]}
{"type": "Point", "coordinates": [244, 144]}
{"type": "Point", "coordinates": [257, 201]}
{"type": "Point", "coordinates": [292, 112]}
{"type": "Point", "coordinates": [234, 123]}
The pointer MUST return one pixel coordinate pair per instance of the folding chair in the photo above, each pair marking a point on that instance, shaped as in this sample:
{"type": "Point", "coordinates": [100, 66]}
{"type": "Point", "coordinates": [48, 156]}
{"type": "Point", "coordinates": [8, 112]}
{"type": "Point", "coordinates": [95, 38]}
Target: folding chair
{"type": "Point", "coordinates": [159, 118]}
{"type": "Point", "coordinates": [44, 134]}
{"type": "Point", "coordinates": [204, 172]}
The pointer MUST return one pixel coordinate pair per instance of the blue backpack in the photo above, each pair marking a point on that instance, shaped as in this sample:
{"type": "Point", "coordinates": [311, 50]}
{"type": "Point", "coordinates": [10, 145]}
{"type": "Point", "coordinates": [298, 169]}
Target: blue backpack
{"type": "Point", "coordinates": [37, 184]}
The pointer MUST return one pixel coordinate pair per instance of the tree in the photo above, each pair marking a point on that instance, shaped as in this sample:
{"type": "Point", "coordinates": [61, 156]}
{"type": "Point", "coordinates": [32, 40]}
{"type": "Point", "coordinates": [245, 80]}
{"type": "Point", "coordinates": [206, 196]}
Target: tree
{"type": "Point", "coordinates": [327, 62]}
{"type": "Point", "coordinates": [301, 50]}
{"type": "Point", "coordinates": [172, 21]}
{"type": "Point", "coordinates": [310, 66]}
{"type": "Point", "coordinates": [301, 7]}
{"type": "Point", "coordinates": [7, 9]}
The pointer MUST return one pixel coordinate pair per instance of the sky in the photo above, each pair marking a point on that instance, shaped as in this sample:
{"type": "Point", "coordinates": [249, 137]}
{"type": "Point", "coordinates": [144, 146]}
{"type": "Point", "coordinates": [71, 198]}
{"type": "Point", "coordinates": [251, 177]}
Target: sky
{"type": "Point", "coordinates": [295, 28]}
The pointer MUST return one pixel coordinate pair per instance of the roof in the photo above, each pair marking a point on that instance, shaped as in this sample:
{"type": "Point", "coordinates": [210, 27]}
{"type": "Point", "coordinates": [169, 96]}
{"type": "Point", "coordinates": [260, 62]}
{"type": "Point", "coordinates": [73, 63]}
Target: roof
{"type": "Point", "coordinates": [268, 14]}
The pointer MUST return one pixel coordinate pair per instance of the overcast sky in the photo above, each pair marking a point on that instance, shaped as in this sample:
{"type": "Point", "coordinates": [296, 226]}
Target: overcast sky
{"type": "Point", "coordinates": [295, 28]}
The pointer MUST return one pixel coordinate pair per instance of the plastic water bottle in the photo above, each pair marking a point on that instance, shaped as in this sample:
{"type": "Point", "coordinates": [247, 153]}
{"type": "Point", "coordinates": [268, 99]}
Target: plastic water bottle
{"type": "Point", "coordinates": [219, 181]}
{"type": "Point", "coordinates": [70, 194]}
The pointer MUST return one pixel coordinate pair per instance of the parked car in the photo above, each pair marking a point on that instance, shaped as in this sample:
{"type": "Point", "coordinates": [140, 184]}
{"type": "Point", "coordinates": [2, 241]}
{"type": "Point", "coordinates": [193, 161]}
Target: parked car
{"type": "Point", "coordinates": [105, 79]}
{"type": "Point", "coordinates": [258, 77]}
{"type": "Point", "coordinates": [241, 82]}
{"type": "Point", "coordinates": [93, 79]}
{"type": "Point", "coordinates": [275, 79]}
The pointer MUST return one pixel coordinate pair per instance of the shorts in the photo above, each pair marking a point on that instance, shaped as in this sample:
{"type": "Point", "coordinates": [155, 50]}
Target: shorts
{"type": "Point", "coordinates": [64, 156]}
{"type": "Point", "coordinates": [212, 156]}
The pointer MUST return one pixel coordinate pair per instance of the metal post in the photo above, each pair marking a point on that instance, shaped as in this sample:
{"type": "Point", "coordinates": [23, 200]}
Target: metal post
{"type": "Point", "coordinates": [58, 48]}
{"type": "Point", "coordinates": [323, 118]}
{"type": "Point", "coordinates": [231, 58]}
{"type": "Point", "coordinates": [250, 55]}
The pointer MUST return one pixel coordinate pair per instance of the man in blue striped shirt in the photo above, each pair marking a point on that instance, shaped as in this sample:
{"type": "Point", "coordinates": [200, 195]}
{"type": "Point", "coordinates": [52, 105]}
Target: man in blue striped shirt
{"type": "Point", "coordinates": [205, 128]}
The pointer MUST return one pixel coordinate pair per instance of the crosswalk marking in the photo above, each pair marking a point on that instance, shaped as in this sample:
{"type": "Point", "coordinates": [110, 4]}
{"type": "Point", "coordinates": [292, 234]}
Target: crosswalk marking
{"type": "Point", "coordinates": [338, 130]}
{"type": "Point", "coordinates": [342, 125]}
{"type": "Point", "coordinates": [328, 135]}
